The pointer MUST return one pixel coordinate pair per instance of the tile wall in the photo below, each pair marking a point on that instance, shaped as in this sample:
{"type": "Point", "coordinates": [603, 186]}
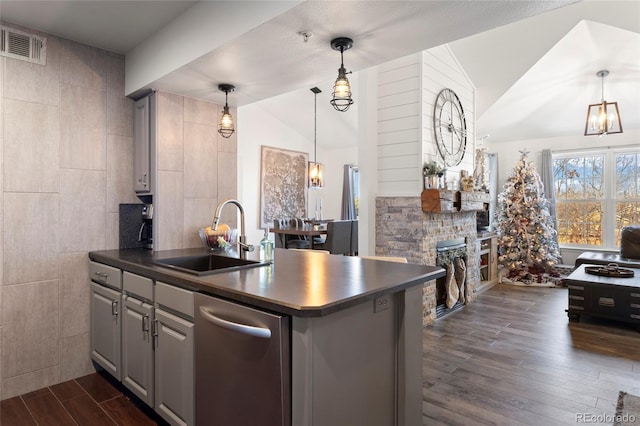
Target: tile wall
{"type": "Point", "coordinates": [67, 144]}
{"type": "Point", "coordinates": [197, 168]}
{"type": "Point", "coordinates": [66, 163]}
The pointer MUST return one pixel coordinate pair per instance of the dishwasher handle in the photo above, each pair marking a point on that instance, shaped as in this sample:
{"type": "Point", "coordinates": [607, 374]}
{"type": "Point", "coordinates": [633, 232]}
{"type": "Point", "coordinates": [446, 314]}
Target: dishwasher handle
{"type": "Point", "coordinates": [263, 333]}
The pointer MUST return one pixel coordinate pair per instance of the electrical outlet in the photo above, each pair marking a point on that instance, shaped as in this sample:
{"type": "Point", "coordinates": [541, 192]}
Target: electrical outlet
{"type": "Point", "coordinates": [381, 304]}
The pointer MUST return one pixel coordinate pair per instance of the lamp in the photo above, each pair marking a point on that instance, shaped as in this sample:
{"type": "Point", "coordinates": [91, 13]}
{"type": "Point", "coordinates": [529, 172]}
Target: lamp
{"type": "Point", "coordinates": [341, 99]}
{"type": "Point", "coordinates": [316, 180]}
{"type": "Point", "coordinates": [226, 127]}
{"type": "Point", "coordinates": [603, 118]}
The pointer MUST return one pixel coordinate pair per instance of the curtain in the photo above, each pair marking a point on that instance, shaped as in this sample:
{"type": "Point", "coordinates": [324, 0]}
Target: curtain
{"type": "Point", "coordinates": [493, 185]}
{"type": "Point", "coordinates": [348, 199]}
{"type": "Point", "coordinates": [546, 174]}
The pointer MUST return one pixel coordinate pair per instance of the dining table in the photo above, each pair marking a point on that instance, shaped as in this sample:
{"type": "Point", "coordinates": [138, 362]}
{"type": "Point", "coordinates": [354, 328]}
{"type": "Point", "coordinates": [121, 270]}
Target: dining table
{"type": "Point", "coordinates": [306, 230]}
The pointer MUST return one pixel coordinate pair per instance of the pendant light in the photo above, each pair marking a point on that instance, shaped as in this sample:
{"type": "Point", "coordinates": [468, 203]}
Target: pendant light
{"type": "Point", "coordinates": [316, 180]}
{"type": "Point", "coordinates": [603, 118]}
{"type": "Point", "coordinates": [226, 126]}
{"type": "Point", "coordinates": [341, 99]}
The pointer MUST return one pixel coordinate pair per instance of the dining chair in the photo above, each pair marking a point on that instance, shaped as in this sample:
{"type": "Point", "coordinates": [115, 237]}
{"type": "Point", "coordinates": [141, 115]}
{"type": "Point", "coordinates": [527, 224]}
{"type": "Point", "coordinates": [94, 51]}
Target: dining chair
{"type": "Point", "coordinates": [354, 238]}
{"type": "Point", "coordinates": [280, 239]}
{"type": "Point", "coordinates": [338, 240]}
{"type": "Point", "coordinates": [290, 241]}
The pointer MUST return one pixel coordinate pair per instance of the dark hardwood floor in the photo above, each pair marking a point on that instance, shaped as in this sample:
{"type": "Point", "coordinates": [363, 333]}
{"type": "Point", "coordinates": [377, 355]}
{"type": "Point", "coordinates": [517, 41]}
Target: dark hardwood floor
{"type": "Point", "coordinates": [95, 399]}
{"type": "Point", "coordinates": [510, 358]}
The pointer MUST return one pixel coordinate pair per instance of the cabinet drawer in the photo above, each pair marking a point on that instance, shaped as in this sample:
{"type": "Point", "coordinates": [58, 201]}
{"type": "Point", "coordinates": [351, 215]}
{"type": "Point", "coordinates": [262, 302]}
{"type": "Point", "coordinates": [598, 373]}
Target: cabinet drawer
{"type": "Point", "coordinates": [104, 274]}
{"type": "Point", "coordinates": [138, 285]}
{"type": "Point", "coordinates": [174, 298]}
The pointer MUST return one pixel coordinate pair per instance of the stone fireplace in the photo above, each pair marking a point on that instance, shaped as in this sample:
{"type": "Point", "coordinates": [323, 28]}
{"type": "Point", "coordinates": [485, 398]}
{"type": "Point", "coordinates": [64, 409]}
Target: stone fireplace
{"type": "Point", "coordinates": [403, 229]}
{"type": "Point", "coordinates": [448, 253]}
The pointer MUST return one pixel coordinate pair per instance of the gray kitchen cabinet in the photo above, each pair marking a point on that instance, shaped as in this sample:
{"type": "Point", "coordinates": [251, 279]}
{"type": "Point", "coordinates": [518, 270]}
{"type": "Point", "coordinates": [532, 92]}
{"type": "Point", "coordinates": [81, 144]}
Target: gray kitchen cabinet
{"type": "Point", "coordinates": [105, 328]}
{"type": "Point", "coordinates": [174, 354]}
{"type": "Point", "coordinates": [137, 338]}
{"type": "Point", "coordinates": [105, 283]}
{"type": "Point", "coordinates": [174, 385]}
{"type": "Point", "coordinates": [137, 348]}
{"type": "Point", "coordinates": [142, 333]}
{"type": "Point", "coordinates": [144, 136]}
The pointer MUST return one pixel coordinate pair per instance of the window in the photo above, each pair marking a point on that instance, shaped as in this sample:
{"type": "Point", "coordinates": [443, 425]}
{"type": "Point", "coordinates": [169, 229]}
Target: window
{"type": "Point", "coordinates": [597, 194]}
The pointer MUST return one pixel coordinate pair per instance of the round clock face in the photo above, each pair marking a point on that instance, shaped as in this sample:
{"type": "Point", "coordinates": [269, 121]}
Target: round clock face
{"type": "Point", "coordinates": [450, 127]}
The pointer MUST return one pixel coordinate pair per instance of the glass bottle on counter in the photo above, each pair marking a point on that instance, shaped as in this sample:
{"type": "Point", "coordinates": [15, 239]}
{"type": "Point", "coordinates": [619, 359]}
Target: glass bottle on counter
{"type": "Point", "coordinates": [266, 248]}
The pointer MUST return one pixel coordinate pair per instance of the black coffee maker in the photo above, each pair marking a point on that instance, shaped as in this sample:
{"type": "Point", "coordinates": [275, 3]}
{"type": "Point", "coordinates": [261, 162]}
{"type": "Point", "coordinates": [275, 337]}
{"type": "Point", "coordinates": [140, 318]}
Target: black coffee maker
{"type": "Point", "coordinates": [145, 234]}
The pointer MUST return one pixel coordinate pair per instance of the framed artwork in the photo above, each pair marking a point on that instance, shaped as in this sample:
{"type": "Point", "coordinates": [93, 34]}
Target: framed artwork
{"type": "Point", "coordinates": [283, 184]}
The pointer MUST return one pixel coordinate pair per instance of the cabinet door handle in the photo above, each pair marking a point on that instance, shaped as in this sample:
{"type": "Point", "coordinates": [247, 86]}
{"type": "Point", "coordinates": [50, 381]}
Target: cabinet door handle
{"type": "Point", "coordinates": [264, 333]}
{"type": "Point", "coordinates": [114, 307]}
{"type": "Point", "coordinates": [145, 323]}
{"type": "Point", "coordinates": [102, 275]}
{"type": "Point", "coordinates": [154, 331]}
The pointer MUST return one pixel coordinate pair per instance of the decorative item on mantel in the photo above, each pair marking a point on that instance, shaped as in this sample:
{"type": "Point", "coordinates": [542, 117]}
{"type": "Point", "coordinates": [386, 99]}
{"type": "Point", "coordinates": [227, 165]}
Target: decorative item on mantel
{"type": "Point", "coordinates": [433, 175]}
{"type": "Point", "coordinates": [466, 181]}
{"type": "Point", "coordinates": [480, 171]}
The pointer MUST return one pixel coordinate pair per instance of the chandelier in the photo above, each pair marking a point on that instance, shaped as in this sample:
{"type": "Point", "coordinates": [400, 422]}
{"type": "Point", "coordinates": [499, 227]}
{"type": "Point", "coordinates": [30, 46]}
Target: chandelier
{"type": "Point", "coordinates": [603, 118]}
{"type": "Point", "coordinates": [315, 169]}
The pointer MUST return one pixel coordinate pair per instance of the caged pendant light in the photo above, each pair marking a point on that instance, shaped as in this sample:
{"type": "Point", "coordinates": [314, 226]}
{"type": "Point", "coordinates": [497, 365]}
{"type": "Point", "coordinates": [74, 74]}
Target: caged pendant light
{"type": "Point", "coordinates": [226, 126]}
{"type": "Point", "coordinates": [341, 99]}
{"type": "Point", "coordinates": [603, 118]}
{"type": "Point", "coordinates": [315, 169]}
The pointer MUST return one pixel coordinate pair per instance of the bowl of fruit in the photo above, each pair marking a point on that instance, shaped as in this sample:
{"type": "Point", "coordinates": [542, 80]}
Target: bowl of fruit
{"type": "Point", "coordinates": [219, 238]}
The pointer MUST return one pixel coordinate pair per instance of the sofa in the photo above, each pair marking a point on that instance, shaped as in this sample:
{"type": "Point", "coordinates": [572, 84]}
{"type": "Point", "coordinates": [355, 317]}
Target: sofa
{"type": "Point", "coordinates": [629, 255]}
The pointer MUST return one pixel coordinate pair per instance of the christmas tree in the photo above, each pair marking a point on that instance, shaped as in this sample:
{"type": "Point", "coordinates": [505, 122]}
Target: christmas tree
{"type": "Point", "coordinates": [527, 246]}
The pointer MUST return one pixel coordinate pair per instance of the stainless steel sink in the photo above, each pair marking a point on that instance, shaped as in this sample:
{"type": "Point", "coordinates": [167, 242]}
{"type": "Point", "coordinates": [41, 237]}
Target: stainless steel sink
{"type": "Point", "coordinates": [207, 264]}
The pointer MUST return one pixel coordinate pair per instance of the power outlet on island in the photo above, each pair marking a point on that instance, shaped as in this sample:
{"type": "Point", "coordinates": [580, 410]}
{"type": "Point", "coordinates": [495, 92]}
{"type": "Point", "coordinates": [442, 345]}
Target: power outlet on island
{"type": "Point", "coordinates": [381, 304]}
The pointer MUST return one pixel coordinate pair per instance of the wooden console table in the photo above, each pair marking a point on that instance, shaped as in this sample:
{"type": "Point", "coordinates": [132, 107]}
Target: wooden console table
{"type": "Point", "coordinates": [607, 297]}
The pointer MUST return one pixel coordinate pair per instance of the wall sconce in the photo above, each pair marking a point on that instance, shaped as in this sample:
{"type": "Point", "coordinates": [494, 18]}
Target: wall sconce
{"type": "Point", "coordinates": [341, 99]}
{"type": "Point", "coordinates": [316, 180]}
{"type": "Point", "coordinates": [603, 118]}
{"type": "Point", "coordinates": [226, 127]}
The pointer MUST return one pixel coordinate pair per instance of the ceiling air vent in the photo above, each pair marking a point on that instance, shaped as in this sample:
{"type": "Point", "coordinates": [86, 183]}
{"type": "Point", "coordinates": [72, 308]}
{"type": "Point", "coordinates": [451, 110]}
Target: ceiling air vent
{"type": "Point", "coordinates": [24, 46]}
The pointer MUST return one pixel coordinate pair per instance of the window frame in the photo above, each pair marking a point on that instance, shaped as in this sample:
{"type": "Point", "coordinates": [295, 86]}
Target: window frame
{"type": "Point", "coordinates": [609, 192]}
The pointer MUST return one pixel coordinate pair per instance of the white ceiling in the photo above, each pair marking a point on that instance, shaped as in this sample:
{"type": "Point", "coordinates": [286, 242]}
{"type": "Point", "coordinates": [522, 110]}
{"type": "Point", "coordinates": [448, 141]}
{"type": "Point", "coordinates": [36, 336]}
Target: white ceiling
{"type": "Point", "coordinates": [503, 63]}
{"type": "Point", "coordinates": [118, 26]}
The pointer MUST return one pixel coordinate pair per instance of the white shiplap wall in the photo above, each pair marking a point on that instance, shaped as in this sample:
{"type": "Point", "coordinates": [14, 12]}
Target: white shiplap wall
{"type": "Point", "coordinates": [407, 88]}
{"type": "Point", "coordinates": [399, 126]}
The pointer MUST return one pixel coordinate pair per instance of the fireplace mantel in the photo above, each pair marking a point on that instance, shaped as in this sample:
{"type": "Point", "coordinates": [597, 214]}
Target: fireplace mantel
{"type": "Point", "coordinates": [448, 201]}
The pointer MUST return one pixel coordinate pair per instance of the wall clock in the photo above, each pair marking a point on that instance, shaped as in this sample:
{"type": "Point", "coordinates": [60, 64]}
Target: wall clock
{"type": "Point", "coordinates": [450, 127]}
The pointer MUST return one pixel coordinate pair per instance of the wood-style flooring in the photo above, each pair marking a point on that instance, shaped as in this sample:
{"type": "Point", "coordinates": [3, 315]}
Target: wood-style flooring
{"type": "Point", "coordinates": [510, 358]}
{"type": "Point", "coordinates": [86, 401]}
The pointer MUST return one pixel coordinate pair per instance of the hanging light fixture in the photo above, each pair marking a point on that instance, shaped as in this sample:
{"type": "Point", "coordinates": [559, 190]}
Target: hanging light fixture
{"type": "Point", "coordinates": [341, 99]}
{"type": "Point", "coordinates": [226, 126]}
{"type": "Point", "coordinates": [315, 169]}
{"type": "Point", "coordinates": [603, 118]}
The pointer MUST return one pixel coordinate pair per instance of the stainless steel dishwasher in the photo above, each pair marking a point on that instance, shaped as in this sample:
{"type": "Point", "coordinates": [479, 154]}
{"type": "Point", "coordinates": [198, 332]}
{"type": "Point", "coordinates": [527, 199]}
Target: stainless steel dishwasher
{"type": "Point", "coordinates": [242, 365]}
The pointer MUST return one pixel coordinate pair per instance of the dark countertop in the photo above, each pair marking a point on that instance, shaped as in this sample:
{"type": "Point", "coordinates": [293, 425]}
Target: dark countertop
{"type": "Point", "coordinates": [303, 284]}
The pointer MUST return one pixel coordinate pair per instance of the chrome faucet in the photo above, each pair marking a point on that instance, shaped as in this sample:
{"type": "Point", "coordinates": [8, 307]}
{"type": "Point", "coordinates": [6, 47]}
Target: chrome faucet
{"type": "Point", "coordinates": [244, 247]}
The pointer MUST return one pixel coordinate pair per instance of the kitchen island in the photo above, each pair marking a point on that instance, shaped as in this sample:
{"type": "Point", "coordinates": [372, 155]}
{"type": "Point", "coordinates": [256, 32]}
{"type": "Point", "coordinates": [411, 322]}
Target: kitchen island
{"type": "Point", "coordinates": [355, 327]}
